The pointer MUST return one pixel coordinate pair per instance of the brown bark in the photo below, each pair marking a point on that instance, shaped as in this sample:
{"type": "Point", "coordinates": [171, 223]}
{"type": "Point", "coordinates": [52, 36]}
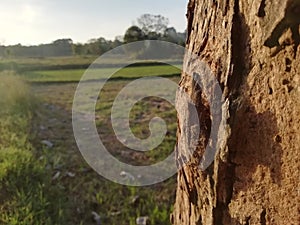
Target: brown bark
{"type": "Point", "coordinates": [252, 48]}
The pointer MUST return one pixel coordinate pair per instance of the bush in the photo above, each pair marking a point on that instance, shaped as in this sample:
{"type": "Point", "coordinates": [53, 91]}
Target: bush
{"type": "Point", "coordinates": [15, 95]}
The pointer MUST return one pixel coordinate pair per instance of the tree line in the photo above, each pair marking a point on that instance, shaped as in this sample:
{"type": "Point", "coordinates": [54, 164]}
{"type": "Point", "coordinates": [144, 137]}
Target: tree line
{"type": "Point", "coordinates": [147, 27]}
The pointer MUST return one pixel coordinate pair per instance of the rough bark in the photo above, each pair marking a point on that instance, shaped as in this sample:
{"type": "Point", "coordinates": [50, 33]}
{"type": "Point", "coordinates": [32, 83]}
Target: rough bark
{"type": "Point", "coordinates": [252, 48]}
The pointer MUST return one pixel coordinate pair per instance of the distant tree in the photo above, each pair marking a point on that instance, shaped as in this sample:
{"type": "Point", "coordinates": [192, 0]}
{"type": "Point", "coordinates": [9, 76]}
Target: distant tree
{"type": "Point", "coordinates": [119, 38]}
{"type": "Point", "coordinates": [2, 51]}
{"type": "Point", "coordinates": [154, 36]}
{"type": "Point", "coordinates": [134, 33]}
{"type": "Point", "coordinates": [182, 37]}
{"type": "Point", "coordinates": [63, 47]}
{"type": "Point", "coordinates": [117, 42]}
{"type": "Point", "coordinates": [8, 52]}
{"type": "Point", "coordinates": [91, 47]}
{"type": "Point", "coordinates": [66, 41]}
{"type": "Point", "coordinates": [171, 35]}
{"type": "Point", "coordinates": [94, 46]}
{"type": "Point", "coordinates": [79, 49]}
{"type": "Point", "coordinates": [153, 23]}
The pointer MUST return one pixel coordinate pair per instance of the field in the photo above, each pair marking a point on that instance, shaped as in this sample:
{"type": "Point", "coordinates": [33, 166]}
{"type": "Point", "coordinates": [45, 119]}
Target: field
{"type": "Point", "coordinates": [43, 184]}
{"type": "Point", "coordinates": [75, 75]}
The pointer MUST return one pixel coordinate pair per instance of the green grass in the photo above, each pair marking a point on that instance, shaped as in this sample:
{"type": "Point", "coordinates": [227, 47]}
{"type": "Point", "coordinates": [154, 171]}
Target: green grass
{"type": "Point", "coordinates": [26, 193]}
{"type": "Point", "coordinates": [21, 65]}
{"type": "Point", "coordinates": [75, 75]}
{"type": "Point", "coordinates": [113, 202]}
{"type": "Point", "coordinates": [155, 201]}
{"type": "Point", "coordinates": [139, 119]}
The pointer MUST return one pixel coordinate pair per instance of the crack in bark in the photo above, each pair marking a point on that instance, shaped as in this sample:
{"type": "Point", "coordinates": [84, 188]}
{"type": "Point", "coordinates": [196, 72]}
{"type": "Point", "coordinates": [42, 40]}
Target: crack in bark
{"type": "Point", "coordinates": [226, 171]}
{"type": "Point", "coordinates": [263, 217]}
{"type": "Point", "coordinates": [261, 10]}
{"type": "Point", "coordinates": [190, 19]}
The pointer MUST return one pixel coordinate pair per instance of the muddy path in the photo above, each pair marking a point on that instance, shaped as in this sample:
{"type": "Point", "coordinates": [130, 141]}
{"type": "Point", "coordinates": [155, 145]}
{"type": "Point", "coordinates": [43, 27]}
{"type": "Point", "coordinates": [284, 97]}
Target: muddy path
{"type": "Point", "coordinates": [53, 136]}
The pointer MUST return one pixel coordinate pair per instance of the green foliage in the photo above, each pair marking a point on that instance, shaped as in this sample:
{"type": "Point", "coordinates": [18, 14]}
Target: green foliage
{"type": "Point", "coordinates": [153, 23]}
{"type": "Point", "coordinates": [15, 96]}
{"type": "Point", "coordinates": [26, 193]}
{"type": "Point", "coordinates": [61, 47]}
{"type": "Point", "coordinates": [95, 46]}
{"type": "Point", "coordinates": [151, 27]}
{"type": "Point", "coordinates": [134, 33]}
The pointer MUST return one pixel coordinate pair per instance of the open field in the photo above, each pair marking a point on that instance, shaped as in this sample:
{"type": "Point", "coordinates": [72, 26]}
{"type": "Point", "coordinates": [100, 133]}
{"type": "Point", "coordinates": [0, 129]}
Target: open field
{"type": "Point", "coordinates": [29, 64]}
{"type": "Point", "coordinates": [50, 61]}
{"type": "Point", "coordinates": [22, 65]}
{"type": "Point", "coordinates": [115, 203]}
{"type": "Point", "coordinates": [125, 73]}
{"type": "Point", "coordinates": [65, 189]}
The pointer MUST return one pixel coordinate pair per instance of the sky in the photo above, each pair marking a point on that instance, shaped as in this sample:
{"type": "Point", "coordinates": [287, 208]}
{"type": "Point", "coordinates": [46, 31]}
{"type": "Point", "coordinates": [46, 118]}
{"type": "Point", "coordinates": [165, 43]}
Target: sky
{"type": "Point", "coordinates": [33, 22]}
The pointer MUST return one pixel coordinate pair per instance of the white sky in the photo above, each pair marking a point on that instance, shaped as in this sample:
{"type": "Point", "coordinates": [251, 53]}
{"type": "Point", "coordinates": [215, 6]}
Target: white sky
{"type": "Point", "coordinates": [32, 22]}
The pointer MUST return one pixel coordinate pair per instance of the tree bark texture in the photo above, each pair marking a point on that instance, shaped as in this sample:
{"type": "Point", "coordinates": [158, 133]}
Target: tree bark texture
{"type": "Point", "coordinates": [252, 48]}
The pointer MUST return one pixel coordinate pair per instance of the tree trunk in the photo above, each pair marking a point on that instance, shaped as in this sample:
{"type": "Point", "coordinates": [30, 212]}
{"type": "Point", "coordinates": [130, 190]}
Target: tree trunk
{"type": "Point", "coordinates": [252, 49]}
